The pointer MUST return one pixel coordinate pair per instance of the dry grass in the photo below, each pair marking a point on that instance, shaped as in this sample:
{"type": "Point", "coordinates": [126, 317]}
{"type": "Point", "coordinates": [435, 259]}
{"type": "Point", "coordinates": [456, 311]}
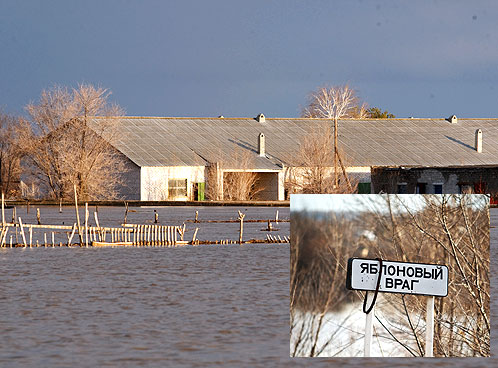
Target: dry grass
{"type": "Point", "coordinates": [235, 180]}
{"type": "Point", "coordinates": [242, 184]}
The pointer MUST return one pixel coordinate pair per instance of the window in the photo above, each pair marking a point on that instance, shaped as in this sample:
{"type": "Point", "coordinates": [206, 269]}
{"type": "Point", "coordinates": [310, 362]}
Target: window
{"type": "Point", "coordinates": [480, 187]}
{"type": "Point", "coordinates": [402, 188]}
{"type": "Point", "coordinates": [438, 188]}
{"type": "Point", "coordinates": [177, 188]}
{"type": "Point", "coordinates": [420, 188]}
{"type": "Point", "coordinates": [364, 188]}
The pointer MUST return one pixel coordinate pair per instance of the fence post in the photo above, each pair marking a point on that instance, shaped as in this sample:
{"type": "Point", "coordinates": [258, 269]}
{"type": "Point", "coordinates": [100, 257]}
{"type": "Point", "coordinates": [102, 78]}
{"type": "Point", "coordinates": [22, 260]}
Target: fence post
{"type": "Point", "coordinates": [77, 214]}
{"type": "Point", "coordinates": [86, 224]}
{"type": "Point", "coordinates": [241, 230]}
{"type": "Point", "coordinates": [3, 210]}
{"type": "Point", "coordinates": [22, 232]}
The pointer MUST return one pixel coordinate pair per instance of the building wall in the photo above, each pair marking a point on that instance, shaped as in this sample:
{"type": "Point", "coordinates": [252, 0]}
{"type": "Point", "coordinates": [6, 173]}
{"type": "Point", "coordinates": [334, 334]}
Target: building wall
{"type": "Point", "coordinates": [154, 181]}
{"type": "Point", "coordinates": [270, 184]}
{"type": "Point", "coordinates": [453, 180]}
{"type": "Point", "coordinates": [281, 185]}
{"type": "Point", "coordinates": [130, 177]}
{"type": "Point", "coordinates": [294, 177]}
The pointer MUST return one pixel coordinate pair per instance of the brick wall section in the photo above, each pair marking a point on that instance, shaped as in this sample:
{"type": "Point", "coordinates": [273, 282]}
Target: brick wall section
{"type": "Point", "coordinates": [387, 179]}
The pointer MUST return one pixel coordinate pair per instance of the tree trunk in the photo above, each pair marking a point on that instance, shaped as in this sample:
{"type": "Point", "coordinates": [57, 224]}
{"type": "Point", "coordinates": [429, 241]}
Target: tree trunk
{"type": "Point", "coordinates": [336, 179]}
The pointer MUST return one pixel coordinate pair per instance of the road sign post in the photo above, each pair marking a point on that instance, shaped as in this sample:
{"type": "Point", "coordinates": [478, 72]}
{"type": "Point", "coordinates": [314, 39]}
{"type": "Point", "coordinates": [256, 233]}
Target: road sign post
{"type": "Point", "coordinates": [399, 277]}
{"type": "Point", "coordinates": [369, 327]}
{"type": "Point", "coordinates": [429, 328]}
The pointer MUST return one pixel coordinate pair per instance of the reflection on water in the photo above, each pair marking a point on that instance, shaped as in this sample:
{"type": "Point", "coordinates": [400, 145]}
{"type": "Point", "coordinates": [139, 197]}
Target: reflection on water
{"type": "Point", "coordinates": [192, 306]}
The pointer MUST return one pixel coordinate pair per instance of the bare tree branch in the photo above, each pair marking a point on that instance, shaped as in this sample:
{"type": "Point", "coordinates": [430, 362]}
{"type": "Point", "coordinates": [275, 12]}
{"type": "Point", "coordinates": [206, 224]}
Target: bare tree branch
{"type": "Point", "coordinates": [68, 141]}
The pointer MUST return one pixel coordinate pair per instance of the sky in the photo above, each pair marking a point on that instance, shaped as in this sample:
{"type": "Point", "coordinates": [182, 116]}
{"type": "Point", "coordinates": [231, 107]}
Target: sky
{"type": "Point", "coordinates": [239, 58]}
{"type": "Point", "coordinates": [340, 203]}
{"type": "Point", "coordinates": [337, 203]}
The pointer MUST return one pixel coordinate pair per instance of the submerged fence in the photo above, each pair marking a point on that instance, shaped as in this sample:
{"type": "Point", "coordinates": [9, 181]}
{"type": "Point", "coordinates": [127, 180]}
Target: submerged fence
{"type": "Point", "coordinates": [15, 233]}
{"type": "Point", "coordinates": [133, 235]}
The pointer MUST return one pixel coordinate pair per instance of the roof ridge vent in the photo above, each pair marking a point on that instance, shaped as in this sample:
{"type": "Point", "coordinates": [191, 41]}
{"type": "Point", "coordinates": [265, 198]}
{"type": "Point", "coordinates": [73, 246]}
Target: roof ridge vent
{"type": "Point", "coordinates": [453, 119]}
{"type": "Point", "coordinates": [261, 118]}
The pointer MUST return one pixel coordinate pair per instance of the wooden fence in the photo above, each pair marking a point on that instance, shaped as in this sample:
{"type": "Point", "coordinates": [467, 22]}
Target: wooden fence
{"type": "Point", "coordinates": [15, 233]}
{"type": "Point", "coordinates": [133, 235]}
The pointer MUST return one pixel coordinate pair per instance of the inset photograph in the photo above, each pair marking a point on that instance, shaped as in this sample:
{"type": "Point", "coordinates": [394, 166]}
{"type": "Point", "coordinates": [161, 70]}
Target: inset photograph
{"type": "Point", "coordinates": [388, 275]}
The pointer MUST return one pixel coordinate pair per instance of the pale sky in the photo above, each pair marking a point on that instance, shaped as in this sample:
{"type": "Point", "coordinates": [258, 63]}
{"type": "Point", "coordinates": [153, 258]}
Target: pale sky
{"type": "Point", "coordinates": [349, 202]}
{"type": "Point", "coordinates": [423, 58]}
{"type": "Point", "coordinates": [336, 203]}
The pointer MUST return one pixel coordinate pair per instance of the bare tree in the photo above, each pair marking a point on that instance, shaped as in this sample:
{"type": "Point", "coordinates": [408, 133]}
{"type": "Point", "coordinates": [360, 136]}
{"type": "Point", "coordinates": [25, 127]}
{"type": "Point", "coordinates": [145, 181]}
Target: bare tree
{"type": "Point", "coordinates": [311, 171]}
{"type": "Point", "coordinates": [455, 229]}
{"type": "Point", "coordinates": [68, 141]}
{"type": "Point", "coordinates": [334, 103]}
{"type": "Point", "coordinates": [450, 229]}
{"type": "Point", "coordinates": [10, 155]}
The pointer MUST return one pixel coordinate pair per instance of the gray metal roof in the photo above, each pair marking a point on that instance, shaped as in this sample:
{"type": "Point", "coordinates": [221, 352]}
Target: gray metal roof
{"type": "Point", "coordinates": [368, 142]}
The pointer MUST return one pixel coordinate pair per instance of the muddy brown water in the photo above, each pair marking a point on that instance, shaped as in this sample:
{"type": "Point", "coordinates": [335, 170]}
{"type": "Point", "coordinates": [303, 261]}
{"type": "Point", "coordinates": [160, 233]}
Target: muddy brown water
{"type": "Point", "coordinates": [199, 306]}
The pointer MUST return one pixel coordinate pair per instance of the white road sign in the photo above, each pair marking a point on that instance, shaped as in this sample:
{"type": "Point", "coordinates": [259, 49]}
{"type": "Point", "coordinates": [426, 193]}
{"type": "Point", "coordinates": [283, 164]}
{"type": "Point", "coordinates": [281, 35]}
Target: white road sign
{"type": "Point", "coordinates": [397, 277]}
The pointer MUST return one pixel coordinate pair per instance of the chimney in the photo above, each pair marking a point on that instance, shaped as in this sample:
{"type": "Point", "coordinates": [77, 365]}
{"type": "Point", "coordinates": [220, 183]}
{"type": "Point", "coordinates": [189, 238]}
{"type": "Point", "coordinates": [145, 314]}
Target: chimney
{"type": "Point", "coordinates": [479, 140]}
{"type": "Point", "coordinates": [453, 119]}
{"type": "Point", "coordinates": [260, 118]}
{"type": "Point", "coordinates": [261, 145]}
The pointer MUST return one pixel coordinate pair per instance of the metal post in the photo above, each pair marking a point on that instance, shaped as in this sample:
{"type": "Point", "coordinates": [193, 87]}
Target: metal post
{"type": "Point", "coordinates": [429, 329]}
{"type": "Point", "coordinates": [369, 326]}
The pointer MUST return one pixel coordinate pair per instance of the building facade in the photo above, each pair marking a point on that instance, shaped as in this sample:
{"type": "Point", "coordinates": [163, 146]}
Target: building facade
{"type": "Point", "coordinates": [191, 158]}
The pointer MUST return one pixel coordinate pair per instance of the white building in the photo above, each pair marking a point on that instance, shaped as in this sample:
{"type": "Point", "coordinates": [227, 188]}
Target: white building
{"type": "Point", "coordinates": [171, 158]}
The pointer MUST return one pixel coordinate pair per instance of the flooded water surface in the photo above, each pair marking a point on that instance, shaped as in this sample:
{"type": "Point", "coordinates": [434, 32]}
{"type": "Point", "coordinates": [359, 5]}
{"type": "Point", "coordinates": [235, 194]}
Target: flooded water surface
{"type": "Point", "coordinates": [182, 306]}
{"type": "Point", "coordinates": [211, 305]}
